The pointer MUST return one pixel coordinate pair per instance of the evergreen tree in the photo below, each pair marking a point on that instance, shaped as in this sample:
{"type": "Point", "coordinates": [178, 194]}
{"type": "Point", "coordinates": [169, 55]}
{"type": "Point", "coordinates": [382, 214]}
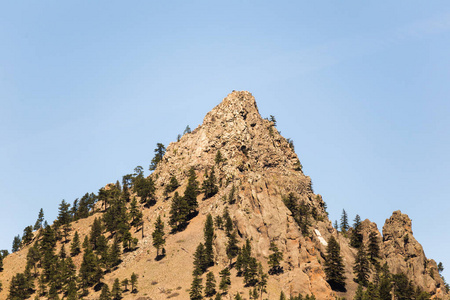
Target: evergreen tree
{"type": "Point", "coordinates": [116, 292]}
{"type": "Point", "coordinates": [219, 158]}
{"type": "Point", "coordinates": [385, 283]}
{"type": "Point", "coordinates": [225, 280]}
{"type": "Point", "coordinates": [195, 292]}
{"type": "Point", "coordinates": [114, 254]}
{"type": "Point", "coordinates": [374, 248]}
{"type": "Point", "coordinates": [27, 235]}
{"type": "Point", "coordinates": [334, 266]}
{"type": "Point", "coordinates": [209, 186]}
{"type": "Point", "coordinates": [133, 282]}
{"type": "Point", "coordinates": [440, 267]}
{"type": "Point", "coordinates": [187, 130]}
{"type": "Point", "coordinates": [228, 222]}
{"type": "Point", "coordinates": [274, 259]}
{"type": "Point", "coordinates": [40, 219]}
{"type": "Point", "coordinates": [238, 297]}
{"type": "Point", "coordinates": [158, 236]}
{"type": "Point", "coordinates": [210, 285]}
{"type": "Point", "coordinates": [191, 192]}
{"type": "Point", "coordinates": [47, 249]}
{"type": "Point", "coordinates": [209, 236]}
{"type": "Point", "coordinates": [90, 271]}
{"type": "Point", "coordinates": [243, 258]}
{"type": "Point", "coordinates": [200, 261]}
{"type": "Point", "coordinates": [96, 232]}
{"type": "Point", "coordinates": [282, 296]}
{"type": "Point", "coordinates": [357, 237]}
{"type": "Point", "coordinates": [232, 195]}
{"type": "Point", "coordinates": [135, 213]}
{"type": "Point", "coordinates": [159, 153]}
{"type": "Point", "coordinates": [105, 294]}
{"type": "Point", "coordinates": [262, 280]}
{"type": "Point", "coordinates": [336, 225]}
{"type": "Point", "coordinates": [251, 272]}
{"type": "Point", "coordinates": [232, 249]}
{"type": "Point", "coordinates": [20, 287]}
{"type": "Point", "coordinates": [64, 215]}
{"type": "Point", "coordinates": [125, 284]}
{"type": "Point", "coordinates": [218, 297]}
{"type": "Point", "coordinates": [178, 213]}
{"type": "Point", "coordinates": [72, 293]}
{"type": "Point", "coordinates": [359, 293]}
{"type": "Point", "coordinates": [145, 189]}
{"type": "Point", "coordinates": [344, 222]}
{"type": "Point", "coordinates": [361, 267]}
{"type": "Point", "coordinates": [75, 245]}
{"type": "Point", "coordinates": [172, 186]}
{"type": "Point", "coordinates": [16, 244]}
{"type": "Point", "coordinates": [33, 257]}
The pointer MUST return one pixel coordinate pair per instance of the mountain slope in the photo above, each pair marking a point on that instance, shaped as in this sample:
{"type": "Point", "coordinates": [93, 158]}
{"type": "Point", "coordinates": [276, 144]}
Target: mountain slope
{"type": "Point", "coordinates": [257, 168]}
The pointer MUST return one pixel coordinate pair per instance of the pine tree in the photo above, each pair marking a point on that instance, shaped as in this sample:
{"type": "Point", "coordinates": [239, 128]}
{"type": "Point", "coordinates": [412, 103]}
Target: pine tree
{"type": "Point", "coordinates": [219, 158]}
{"type": "Point", "coordinates": [361, 266]}
{"type": "Point", "coordinates": [218, 297]}
{"type": "Point", "coordinates": [172, 186]}
{"type": "Point", "coordinates": [116, 292]}
{"type": "Point", "coordinates": [237, 297]}
{"type": "Point", "coordinates": [262, 280]}
{"type": "Point", "coordinates": [114, 254]}
{"type": "Point", "coordinates": [72, 293]}
{"type": "Point", "coordinates": [195, 292]}
{"type": "Point", "coordinates": [225, 280]}
{"type": "Point", "coordinates": [191, 192]}
{"type": "Point", "coordinates": [357, 237]}
{"type": "Point", "coordinates": [359, 293]}
{"type": "Point", "coordinates": [200, 262]}
{"type": "Point", "coordinates": [228, 222]}
{"type": "Point", "coordinates": [274, 259]}
{"type": "Point", "coordinates": [210, 285]}
{"type": "Point", "coordinates": [209, 236]}
{"type": "Point", "coordinates": [232, 249]}
{"type": "Point", "coordinates": [90, 271]}
{"type": "Point", "coordinates": [75, 245]}
{"type": "Point", "coordinates": [158, 236]}
{"type": "Point", "coordinates": [16, 244]}
{"type": "Point", "coordinates": [336, 225]}
{"type": "Point", "coordinates": [282, 296]}
{"type": "Point", "coordinates": [133, 282]}
{"type": "Point", "coordinates": [125, 284]}
{"type": "Point", "coordinates": [251, 272]}
{"type": "Point", "coordinates": [40, 219]}
{"type": "Point", "coordinates": [27, 235]}
{"type": "Point", "coordinates": [159, 154]}
{"type": "Point", "coordinates": [33, 257]}
{"type": "Point", "coordinates": [374, 248]}
{"type": "Point", "coordinates": [135, 213]}
{"type": "Point", "coordinates": [334, 266]}
{"type": "Point", "coordinates": [96, 232]}
{"type": "Point", "coordinates": [179, 212]}
{"type": "Point", "coordinates": [105, 294]}
{"type": "Point", "coordinates": [209, 186]}
{"type": "Point", "coordinates": [344, 222]}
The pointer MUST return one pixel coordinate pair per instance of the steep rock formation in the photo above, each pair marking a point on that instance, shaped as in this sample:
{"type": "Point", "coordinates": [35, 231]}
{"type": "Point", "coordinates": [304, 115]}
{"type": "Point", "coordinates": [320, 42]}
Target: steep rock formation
{"type": "Point", "coordinates": [404, 254]}
{"type": "Point", "coordinates": [261, 167]}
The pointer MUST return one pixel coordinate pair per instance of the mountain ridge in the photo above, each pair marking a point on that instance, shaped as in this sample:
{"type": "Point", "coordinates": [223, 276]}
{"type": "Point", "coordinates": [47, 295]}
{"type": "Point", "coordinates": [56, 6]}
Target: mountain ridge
{"type": "Point", "coordinates": [263, 169]}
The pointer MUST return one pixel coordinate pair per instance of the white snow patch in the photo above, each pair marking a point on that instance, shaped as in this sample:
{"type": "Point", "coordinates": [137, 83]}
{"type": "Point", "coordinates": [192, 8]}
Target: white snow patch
{"type": "Point", "coordinates": [321, 239]}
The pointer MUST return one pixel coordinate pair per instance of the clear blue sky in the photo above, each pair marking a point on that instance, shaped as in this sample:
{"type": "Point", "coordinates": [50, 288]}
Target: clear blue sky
{"type": "Point", "coordinates": [88, 89]}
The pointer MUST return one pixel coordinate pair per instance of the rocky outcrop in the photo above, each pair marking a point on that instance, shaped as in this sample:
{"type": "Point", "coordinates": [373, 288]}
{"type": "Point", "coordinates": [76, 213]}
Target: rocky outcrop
{"type": "Point", "coordinates": [404, 254]}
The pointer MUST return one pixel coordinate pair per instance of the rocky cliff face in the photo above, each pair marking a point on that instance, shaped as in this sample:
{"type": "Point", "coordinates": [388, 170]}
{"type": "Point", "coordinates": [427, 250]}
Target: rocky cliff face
{"type": "Point", "coordinates": [262, 168]}
{"type": "Point", "coordinates": [404, 254]}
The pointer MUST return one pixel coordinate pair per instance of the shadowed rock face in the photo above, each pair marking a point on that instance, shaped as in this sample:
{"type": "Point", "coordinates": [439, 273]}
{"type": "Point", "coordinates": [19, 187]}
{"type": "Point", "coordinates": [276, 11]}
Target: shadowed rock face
{"type": "Point", "coordinates": [262, 168]}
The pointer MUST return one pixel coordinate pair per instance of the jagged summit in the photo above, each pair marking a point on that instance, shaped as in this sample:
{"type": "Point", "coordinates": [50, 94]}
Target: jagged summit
{"type": "Point", "coordinates": [248, 144]}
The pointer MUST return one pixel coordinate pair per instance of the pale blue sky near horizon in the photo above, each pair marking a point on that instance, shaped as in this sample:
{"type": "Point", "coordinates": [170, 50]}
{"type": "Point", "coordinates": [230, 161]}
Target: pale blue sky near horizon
{"type": "Point", "coordinates": [88, 89]}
